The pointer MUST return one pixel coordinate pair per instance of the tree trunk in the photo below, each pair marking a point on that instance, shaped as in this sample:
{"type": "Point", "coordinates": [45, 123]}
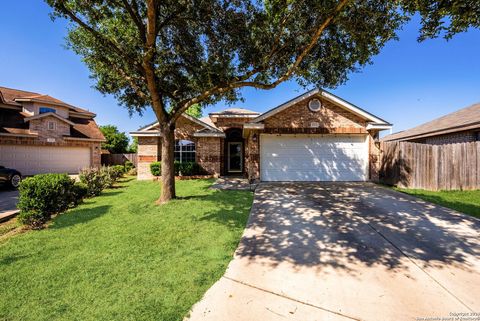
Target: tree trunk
{"type": "Point", "coordinates": [168, 171]}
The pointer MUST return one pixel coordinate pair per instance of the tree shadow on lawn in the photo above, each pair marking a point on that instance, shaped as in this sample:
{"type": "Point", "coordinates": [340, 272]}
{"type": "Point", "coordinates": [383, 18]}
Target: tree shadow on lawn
{"type": "Point", "coordinates": [78, 216]}
{"type": "Point", "coordinates": [232, 207]}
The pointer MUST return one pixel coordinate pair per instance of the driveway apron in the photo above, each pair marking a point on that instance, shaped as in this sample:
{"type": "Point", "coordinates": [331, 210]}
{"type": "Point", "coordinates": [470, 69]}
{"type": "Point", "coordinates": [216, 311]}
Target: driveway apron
{"type": "Point", "coordinates": [347, 251]}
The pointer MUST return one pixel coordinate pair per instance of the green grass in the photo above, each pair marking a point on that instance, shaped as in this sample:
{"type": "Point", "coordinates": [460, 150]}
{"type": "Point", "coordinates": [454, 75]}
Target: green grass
{"type": "Point", "coordinates": [467, 202]}
{"type": "Point", "coordinates": [120, 257]}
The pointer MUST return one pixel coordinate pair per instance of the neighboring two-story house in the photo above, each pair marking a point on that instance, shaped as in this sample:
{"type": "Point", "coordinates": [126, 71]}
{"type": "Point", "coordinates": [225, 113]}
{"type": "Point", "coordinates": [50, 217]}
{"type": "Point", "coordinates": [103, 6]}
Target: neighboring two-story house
{"type": "Point", "coordinates": [316, 136]}
{"type": "Point", "coordinates": [41, 134]}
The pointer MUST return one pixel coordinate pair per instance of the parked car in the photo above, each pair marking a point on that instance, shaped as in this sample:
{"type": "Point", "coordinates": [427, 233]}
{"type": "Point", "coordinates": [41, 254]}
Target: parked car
{"type": "Point", "coordinates": [10, 177]}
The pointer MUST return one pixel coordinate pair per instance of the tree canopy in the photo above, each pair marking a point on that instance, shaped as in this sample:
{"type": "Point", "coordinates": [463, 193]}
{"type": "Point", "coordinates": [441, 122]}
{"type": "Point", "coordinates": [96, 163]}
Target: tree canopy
{"type": "Point", "coordinates": [116, 141]}
{"type": "Point", "coordinates": [171, 55]}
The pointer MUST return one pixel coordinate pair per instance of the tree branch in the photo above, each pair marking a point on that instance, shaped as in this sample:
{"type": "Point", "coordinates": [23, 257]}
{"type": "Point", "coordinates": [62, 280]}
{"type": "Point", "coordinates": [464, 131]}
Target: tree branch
{"type": "Point", "coordinates": [148, 62]}
{"type": "Point", "coordinates": [240, 82]}
{"type": "Point", "coordinates": [101, 39]}
{"type": "Point", "coordinates": [133, 12]}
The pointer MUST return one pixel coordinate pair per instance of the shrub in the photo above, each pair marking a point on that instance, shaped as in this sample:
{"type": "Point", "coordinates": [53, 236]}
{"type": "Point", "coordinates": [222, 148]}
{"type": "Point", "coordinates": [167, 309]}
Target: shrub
{"type": "Point", "coordinates": [118, 171]}
{"type": "Point", "coordinates": [181, 169]}
{"type": "Point", "coordinates": [79, 192]}
{"type": "Point", "coordinates": [128, 166]}
{"type": "Point", "coordinates": [94, 180]}
{"type": "Point", "coordinates": [132, 171]}
{"type": "Point", "coordinates": [189, 169]}
{"type": "Point", "coordinates": [42, 196]}
{"type": "Point", "coordinates": [156, 168]}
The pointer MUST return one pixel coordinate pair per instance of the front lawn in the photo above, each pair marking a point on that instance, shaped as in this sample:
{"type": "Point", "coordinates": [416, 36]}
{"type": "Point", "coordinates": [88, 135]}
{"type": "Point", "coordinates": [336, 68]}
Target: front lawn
{"type": "Point", "coordinates": [120, 257]}
{"type": "Point", "coordinates": [467, 202]}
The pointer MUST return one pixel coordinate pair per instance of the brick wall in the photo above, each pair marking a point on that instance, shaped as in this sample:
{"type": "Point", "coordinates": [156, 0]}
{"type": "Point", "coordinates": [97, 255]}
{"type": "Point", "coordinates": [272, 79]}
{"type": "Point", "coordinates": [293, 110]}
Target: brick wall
{"type": "Point", "coordinates": [229, 122]}
{"type": "Point", "coordinates": [252, 156]}
{"type": "Point", "coordinates": [149, 150]}
{"type": "Point", "coordinates": [40, 127]}
{"type": "Point", "coordinates": [330, 118]}
{"type": "Point", "coordinates": [374, 153]}
{"type": "Point", "coordinates": [208, 154]}
{"type": "Point", "coordinates": [208, 149]}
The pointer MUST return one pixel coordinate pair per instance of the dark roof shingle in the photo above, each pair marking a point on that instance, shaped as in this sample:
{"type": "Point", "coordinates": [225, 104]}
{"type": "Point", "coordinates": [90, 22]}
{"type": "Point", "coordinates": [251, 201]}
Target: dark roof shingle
{"type": "Point", "coordinates": [463, 119]}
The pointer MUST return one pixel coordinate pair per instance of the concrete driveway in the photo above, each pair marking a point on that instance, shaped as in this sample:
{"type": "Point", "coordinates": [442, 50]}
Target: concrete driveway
{"type": "Point", "coordinates": [348, 251]}
{"type": "Point", "coordinates": [8, 203]}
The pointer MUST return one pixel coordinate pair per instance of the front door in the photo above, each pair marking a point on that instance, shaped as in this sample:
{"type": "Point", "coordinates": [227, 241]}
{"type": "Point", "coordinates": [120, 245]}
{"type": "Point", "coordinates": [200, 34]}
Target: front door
{"type": "Point", "coordinates": [235, 157]}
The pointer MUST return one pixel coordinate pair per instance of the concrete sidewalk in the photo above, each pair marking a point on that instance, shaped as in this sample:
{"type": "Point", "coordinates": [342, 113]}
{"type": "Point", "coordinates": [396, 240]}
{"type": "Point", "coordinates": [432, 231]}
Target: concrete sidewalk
{"type": "Point", "coordinates": [347, 251]}
{"type": "Point", "coordinates": [8, 204]}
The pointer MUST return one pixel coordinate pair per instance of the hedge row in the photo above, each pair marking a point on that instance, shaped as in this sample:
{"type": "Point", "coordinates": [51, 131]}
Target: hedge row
{"type": "Point", "coordinates": [181, 169]}
{"type": "Point", "coordinates": [44, 195]}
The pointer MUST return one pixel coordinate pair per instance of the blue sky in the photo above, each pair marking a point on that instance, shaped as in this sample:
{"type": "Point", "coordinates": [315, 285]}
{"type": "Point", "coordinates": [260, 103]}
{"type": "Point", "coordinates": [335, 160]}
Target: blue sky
{"type": "Point", "coordinates": [407, 84]}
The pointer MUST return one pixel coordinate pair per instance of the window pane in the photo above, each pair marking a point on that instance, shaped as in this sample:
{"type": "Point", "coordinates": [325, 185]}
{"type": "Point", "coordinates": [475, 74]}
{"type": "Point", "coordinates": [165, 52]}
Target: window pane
{"type": "Point", "coordinates": [177, 156]}
{"type": "Point", "coordinates": [44, 110]}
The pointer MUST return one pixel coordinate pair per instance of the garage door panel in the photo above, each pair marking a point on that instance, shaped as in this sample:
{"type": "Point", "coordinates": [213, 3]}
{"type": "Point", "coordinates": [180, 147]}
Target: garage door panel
{"type": "Point", "coordinates": [30, 160]}
{"type": "Point", "coordinates": [313, 158]}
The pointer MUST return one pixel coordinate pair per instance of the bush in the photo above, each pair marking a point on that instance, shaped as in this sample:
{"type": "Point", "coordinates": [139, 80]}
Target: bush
{"type": "Point", "coordinates": [118, 171]}
{"type": "Point", "coordinates": [156, 168]}
{"type": "Point", "coordinates": [181, 169]}
{"type": "Point", "coordinates": [93, 179]}
{"type": "Point", "coordinates": [79, 192]}
{"type": "Point", "coordinates": [42, 196]}
{"type": "Point", "coordinates": [188, 169]}
{"type": "Point", "coordinates": [96, 179]}
{"type": "Point", "coordinates": [128, 166]}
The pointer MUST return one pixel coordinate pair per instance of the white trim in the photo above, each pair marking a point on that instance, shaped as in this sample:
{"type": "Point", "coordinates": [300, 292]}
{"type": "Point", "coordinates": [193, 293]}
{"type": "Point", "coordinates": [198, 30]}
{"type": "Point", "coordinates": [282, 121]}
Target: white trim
{"type": "Point", "coordinates": [340, 102]}
{"type": "Point", "coordinates": [146, 134]}
{"type": "Point", "coordinates": [197, 134]}
{"type": "Point", "coordinates": [198, 121]}
{"type": "Point", "coordinates": [253, 126]}
{"type": "Point", "coordinates": [352, 108]}
{"type": "Point", "coordinates": [378, 126]}
{"type": "Point", "coordinates": [193, 119]}
{"type": "Point", "coordinates": [26, 119]}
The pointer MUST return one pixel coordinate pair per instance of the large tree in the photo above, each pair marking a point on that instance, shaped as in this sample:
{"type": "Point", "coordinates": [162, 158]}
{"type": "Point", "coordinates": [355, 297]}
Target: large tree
{"type": "Point", "coordinates": [170, 55]}
{"type": "Point", "coordinates": [116, 142]}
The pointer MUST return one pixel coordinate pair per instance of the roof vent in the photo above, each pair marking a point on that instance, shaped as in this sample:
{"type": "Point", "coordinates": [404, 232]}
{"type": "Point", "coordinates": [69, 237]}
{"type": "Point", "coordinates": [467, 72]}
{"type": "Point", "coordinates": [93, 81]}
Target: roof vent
{"type": "Point", "coordinates": [314, 105]}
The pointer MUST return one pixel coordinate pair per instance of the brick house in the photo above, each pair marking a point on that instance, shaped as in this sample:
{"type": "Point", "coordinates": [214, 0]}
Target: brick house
{"type": "Point", "coordinates": [41, 134]}
{"type": "Point", "coordinates": [316, 136]}
{"type": "Point", "coordinates": [458, 127]}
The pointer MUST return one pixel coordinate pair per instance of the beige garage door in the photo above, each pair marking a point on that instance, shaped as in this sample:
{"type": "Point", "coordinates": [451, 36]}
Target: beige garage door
{"type": "Point", "coordinates": [30, 160]}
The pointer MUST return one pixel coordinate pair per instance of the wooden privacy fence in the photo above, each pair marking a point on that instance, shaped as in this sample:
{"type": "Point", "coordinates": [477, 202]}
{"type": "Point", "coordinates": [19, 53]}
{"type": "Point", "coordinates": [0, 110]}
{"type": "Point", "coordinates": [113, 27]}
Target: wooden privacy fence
{"type": "Point", "coordinates": [430, 167]}
{"type": "Point", "coordinates": [119, 159]}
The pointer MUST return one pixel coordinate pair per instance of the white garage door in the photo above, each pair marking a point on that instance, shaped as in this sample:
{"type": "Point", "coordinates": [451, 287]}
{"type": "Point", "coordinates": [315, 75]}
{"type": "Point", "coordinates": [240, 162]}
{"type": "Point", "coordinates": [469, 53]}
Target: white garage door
{"type": "Point", "coordinates": [31, 160]}
{"type": "Point", "coordinates": [313, 158]}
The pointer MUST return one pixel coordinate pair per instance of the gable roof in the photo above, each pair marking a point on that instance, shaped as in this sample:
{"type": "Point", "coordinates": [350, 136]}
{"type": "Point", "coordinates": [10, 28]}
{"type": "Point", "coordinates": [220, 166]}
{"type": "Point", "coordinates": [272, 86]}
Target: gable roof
{"type": "Point", "coordinates": [49, 114]}
{"type": "Point", "coordinates": [202, 122]}
{"type": "Point", "coordinates": [328, 96]}
{"type": "Point", "coordinates": [15, 96]}
{"type": "Point", "coordinates": [460, 120]}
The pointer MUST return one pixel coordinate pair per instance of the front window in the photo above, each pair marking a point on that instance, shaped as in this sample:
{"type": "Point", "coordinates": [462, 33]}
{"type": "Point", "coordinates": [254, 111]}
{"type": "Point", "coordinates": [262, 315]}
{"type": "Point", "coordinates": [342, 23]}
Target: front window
{"type": "Point", "coordinates": [184, 151]}
{"type": "Point", "coordinates": [44, 110]}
